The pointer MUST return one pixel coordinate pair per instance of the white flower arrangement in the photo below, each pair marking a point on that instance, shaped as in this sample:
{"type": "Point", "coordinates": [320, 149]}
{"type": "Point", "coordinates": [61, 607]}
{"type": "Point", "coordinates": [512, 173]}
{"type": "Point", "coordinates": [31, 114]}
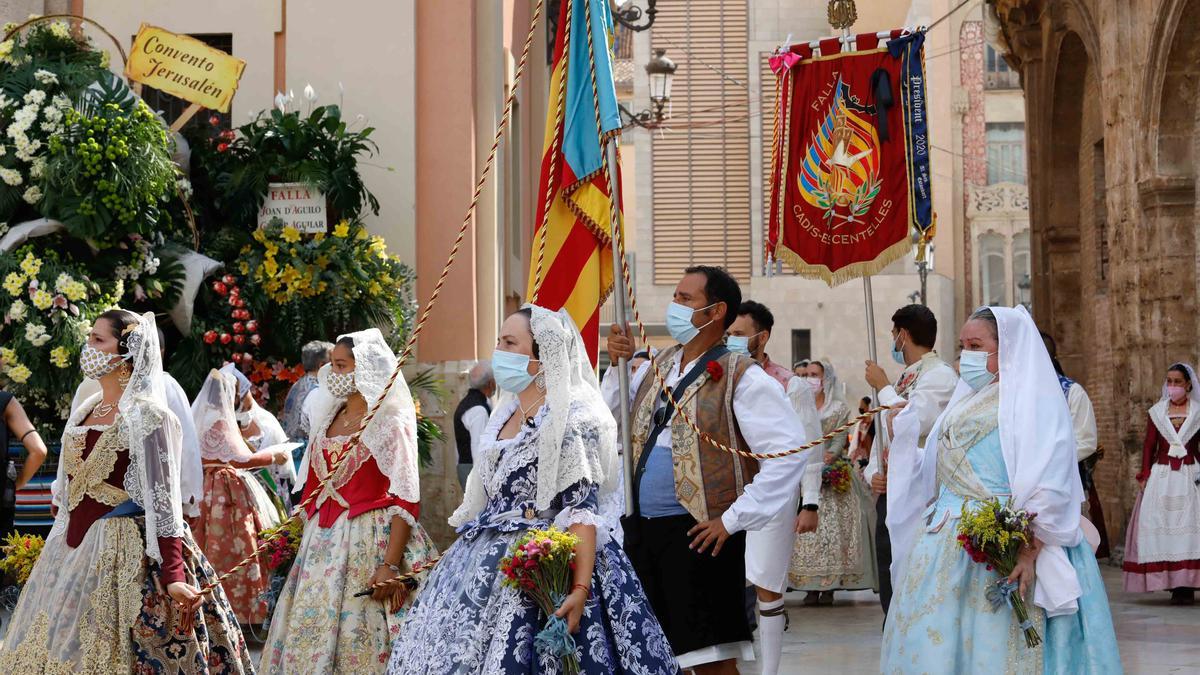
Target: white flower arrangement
{"type": "Point", "coordinates": [45, 76]}
{"type": "Point", "coordinates": [33, 195]}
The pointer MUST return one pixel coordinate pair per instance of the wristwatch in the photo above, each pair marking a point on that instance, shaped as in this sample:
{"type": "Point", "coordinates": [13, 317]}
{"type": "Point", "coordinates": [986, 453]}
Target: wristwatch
{"type": "Point", "coordinates": [810, 507]}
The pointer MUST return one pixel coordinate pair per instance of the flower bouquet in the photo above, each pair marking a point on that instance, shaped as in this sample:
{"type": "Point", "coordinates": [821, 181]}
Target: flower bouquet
{"type": "Point", "coordinates": [21, 552]}
{"type": "Point", "coordinates": [993, 533]}
{"type": "Point", "coordinates": [837, 475]}
{"type": "Point", "coordinates": [541, 563]}
{"type": "Point", "coordinates": [283, 542]}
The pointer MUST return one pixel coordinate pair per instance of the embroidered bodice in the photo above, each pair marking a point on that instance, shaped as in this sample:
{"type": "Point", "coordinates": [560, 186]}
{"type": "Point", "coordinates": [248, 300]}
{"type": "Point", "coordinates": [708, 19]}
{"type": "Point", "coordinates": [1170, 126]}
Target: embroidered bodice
{"type": "Point", "coordinates": [91, 473]}
{"type": "Point", "coordinates": [510, 474]}
{"type": "Point", "coordinates": [357, 485]}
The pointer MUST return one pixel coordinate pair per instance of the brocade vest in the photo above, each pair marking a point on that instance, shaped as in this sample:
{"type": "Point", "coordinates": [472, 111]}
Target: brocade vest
{"type": "Point", "coordinates": [707, 479]}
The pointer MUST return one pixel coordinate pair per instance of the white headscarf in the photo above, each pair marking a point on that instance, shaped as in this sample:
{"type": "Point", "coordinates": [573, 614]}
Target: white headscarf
{"type": "Point", "coordinates": [391, 435]}
{"type": "Point", "coordinates": [829, 384]}
{"type": "Point", "coordinates": [1158, 415]}
{"type": "Point", "coordinates": [216, 424]}
{"type": "Point", "coordinates": [573, 399]}
{"type": "Point", "coordinates": [1038, 445]}
{"type": "Point", "coordinates": [154, 439]}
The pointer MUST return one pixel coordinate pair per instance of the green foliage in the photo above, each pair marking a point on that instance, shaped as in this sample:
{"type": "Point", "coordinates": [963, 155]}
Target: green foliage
{"type": "Point", "coordinates": [110, 169]}
{"type": "Point", "coordinates": [285, 147]}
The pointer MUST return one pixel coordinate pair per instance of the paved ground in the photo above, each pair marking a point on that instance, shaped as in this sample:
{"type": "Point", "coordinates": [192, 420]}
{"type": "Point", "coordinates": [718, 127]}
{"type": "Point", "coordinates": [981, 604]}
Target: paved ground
{"type": "Point", "coordinates": [844, 639]}
{"type": "Point", "coordinates": [1154, 637]}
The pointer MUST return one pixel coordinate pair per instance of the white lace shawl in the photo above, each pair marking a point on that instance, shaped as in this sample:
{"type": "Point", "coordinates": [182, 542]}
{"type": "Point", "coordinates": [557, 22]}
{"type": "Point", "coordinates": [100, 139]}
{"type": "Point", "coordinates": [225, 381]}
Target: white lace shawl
{"type": "Point", "coordinates": [216, 424]}
{"type": "Point", "coordinates": [392, 433]}
{"type": "Point", "coordinates": [572, 399]}
{"type": "Point", "coordinates": [155, 443]}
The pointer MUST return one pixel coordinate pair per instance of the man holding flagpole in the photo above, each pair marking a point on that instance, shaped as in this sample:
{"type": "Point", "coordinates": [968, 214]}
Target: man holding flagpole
{"type": "Point", "coordinates": [693, 501]}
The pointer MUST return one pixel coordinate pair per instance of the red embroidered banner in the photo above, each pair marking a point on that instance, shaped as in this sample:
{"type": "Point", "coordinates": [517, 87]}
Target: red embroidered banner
{"type": "Point", "coordinates": [850, 161]}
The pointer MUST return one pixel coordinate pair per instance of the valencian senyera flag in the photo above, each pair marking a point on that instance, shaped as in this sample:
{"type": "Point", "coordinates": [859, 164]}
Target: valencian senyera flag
{"type": "Point", "coordinates": [576, 252]}
{"type": "Point", "coordinates": [850, 166]}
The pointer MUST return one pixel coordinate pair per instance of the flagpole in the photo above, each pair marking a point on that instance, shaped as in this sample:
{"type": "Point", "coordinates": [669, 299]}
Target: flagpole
{"type": "Point", "coordinates": [618, 296]}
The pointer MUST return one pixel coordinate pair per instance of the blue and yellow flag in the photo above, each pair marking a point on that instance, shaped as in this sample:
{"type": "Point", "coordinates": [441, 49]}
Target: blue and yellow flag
{"type": "Point", "coordinates": [576, 251]}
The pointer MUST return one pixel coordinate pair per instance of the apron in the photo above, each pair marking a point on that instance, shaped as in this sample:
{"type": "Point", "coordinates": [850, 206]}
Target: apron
{"type": "Point", "coordinates": [1169, 519]}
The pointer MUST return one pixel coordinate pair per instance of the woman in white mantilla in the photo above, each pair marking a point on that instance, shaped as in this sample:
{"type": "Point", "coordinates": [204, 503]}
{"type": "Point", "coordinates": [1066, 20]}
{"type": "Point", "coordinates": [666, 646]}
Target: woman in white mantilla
{"type": "Point", "coordinates": [235, 506]}
{"type": "Point", "coordinates": [362, 525]}
{"type": "Point", "coordinates": [1162, 544]}
{"type": "Point", "coordinates": [549, 453]}
{"type": "Point", "coordinates": [840, 555]}
{"type": "Point", "coordinates": [115, 589]}
{"type": "Point", "coordinates": [1005, 434]}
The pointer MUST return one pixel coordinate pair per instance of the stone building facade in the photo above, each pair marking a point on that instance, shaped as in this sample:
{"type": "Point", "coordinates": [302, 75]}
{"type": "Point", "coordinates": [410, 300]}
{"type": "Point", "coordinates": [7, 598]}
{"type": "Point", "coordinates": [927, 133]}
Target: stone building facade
{"type": "Point", "coordinates": [1113, 133]}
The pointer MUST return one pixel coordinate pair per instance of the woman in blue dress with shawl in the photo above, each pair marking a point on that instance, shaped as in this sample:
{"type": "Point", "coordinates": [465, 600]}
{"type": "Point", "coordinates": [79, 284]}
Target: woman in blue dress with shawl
{"type": "Point", "coordinates": [549, 458]}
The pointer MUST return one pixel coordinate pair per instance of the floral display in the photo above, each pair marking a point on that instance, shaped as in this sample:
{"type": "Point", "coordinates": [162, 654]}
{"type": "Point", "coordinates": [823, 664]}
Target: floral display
{"type": "Point", "coordinates": [50, 305]}
{"type": "Point", "coordinates": [20, 551]}
{"type": "Point", "coordinates": [282, 544]}
{"type": "Point", "coordinates": [992, 533]}
{"type": "Point", "coordinates": [837, 475]}
{"type": "Point", "coordinates": [541, 564]}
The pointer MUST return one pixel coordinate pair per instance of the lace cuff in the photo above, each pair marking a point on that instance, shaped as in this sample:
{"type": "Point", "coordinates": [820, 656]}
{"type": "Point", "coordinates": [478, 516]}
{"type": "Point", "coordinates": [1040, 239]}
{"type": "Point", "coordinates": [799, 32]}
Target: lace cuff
{"type": "Point", "coordinates": [572, 516]}
{"type": "Point", "coordinates": [403, 513]}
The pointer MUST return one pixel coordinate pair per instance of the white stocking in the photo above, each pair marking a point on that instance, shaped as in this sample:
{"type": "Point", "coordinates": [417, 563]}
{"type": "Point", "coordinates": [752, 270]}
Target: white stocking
{"type": "Point", "coordinates": [771, 622]}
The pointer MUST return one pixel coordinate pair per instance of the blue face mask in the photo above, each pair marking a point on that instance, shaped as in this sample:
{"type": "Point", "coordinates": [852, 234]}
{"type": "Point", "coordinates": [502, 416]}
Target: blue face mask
{"type": "Point", "coordinates": [511, 371]}
{"type": "Point", "coordinates": [679, 322]}
{"type": "Point", "coordinates": [972, 368]}
{"type": "Point", "coordinates": [740, 344]}
{"type": "Point", "coordinates": [898, 354]}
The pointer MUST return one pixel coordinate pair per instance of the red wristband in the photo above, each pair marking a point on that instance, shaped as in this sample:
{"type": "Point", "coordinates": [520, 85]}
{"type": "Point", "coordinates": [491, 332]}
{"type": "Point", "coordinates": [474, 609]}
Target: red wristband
{"type": "Point", "coordinates": [587, 591]}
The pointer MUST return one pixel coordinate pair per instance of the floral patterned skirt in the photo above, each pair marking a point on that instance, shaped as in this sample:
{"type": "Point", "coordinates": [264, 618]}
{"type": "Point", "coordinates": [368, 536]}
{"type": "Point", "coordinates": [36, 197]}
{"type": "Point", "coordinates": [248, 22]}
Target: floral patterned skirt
{"type": "Point", "coordinates": [318, 625]}
{"type": "Point", "coordinates": [100, 608]}
{"type": "Point", "coordinates": [234, 510]}
{"type": "Point", "coordinates": [840, 555]}
{"type": "Point", "coordinates": [467, 621]}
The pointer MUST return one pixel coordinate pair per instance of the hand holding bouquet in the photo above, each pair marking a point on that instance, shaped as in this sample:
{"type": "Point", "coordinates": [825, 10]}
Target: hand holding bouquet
{"type": "Point", "coordinates": [283, 542]}
{"type": "Point", "coordinates": [993, 533]}
{"type": "Point", "coordinates": [541, 563]}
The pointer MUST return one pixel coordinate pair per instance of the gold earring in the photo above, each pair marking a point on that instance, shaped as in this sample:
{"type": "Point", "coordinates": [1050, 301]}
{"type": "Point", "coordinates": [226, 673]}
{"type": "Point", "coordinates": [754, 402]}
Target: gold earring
{"type": "Point", "coordinates": [126, 373]}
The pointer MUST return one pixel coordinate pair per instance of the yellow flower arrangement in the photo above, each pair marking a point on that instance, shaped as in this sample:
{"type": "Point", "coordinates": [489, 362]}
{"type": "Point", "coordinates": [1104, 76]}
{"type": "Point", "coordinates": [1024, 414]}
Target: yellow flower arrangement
{"type": "Point", "coordinates": [341, 230]}
{"type": "Point", "coordinates": [19, 373]}
{"type": "Point", "coordinates": [42, 300]}
{"type": "Point", "coordinates": [14, 283]}
{"type": "Point", "coordinates": [7, 356]}
{"type": "Point", "coordinates": [21, 552]}
{"type": "Point", "coordinates": [31, 265]}
{"type": "Point", "coordinates": [60, 357]}
{"type": "Point", "coordinates": [291, 235]}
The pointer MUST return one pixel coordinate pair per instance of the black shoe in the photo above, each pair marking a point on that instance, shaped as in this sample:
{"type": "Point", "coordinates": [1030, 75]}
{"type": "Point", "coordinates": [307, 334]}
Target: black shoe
{"type": "Point", "coordinates": [1183, 596]}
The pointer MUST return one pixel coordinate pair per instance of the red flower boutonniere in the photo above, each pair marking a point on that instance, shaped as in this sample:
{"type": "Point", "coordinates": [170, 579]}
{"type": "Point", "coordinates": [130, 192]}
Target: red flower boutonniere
{"type": "Point", "coordinates": [715, 371]}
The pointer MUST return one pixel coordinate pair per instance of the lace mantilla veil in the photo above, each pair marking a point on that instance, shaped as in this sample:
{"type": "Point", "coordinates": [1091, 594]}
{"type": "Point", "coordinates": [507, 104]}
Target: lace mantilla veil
{"type": "Point", "coordinates": [214, 404]}
{"type": "Point", "coordinates": [154, 439]}
{"type": "Point", "coordinates": [572, 398]}
{"type": "Point", "coordinates": [391, 435]}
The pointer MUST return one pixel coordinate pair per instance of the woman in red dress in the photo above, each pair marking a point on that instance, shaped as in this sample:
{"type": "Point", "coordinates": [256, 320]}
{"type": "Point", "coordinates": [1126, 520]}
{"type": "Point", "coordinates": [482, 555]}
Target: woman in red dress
{"type": "Point", "coordinates": [116, 588]}
{"type": "Point", "coordinates": [361, 527]}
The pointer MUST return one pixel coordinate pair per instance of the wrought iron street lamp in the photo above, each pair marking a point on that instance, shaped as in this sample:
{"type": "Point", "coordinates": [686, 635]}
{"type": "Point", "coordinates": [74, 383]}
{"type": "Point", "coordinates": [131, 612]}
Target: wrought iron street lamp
{"type": "Point", "coordinates": [629, 15]}
{"type": "Point", "coordinates": [661, 71]}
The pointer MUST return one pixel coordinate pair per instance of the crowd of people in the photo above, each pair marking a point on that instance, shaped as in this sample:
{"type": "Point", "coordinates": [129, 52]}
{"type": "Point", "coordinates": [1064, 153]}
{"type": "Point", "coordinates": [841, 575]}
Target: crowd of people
{"type": "Point", "coordinates": [156, 498]}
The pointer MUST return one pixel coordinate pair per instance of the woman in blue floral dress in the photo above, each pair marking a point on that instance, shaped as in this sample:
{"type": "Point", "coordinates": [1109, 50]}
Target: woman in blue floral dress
{"type": "Point", "coordinates": [547, 453]}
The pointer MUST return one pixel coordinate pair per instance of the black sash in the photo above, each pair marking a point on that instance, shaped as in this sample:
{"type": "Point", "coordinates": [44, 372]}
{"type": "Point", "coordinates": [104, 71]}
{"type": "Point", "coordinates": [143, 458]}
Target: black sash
{"type": "Point", "coordinates": [662, 416]}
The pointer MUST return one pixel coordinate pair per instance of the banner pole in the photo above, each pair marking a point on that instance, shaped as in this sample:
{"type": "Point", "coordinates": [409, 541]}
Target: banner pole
{"type": "Point", "coordinates": [618, 296]}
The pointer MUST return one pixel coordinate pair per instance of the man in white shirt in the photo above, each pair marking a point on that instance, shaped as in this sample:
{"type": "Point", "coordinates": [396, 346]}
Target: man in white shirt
{"type": "Point", "coordinates": [471, 418]}
{"type": "Point", "coordinates": [1083, 423]}
{"type": "Point", "coordinates": [769, 550]}
{"type": "Point", "coordinates": [926, 384]}
{"type": "Point", "coordinates": [692, 500]}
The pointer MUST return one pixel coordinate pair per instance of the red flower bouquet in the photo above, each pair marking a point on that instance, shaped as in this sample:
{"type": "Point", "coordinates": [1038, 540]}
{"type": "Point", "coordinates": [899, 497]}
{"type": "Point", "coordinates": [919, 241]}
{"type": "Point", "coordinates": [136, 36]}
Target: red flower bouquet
{"type": "Point", "coordinates": [837, 475]}
{"type": "Point", "coordinates": [540, 563]}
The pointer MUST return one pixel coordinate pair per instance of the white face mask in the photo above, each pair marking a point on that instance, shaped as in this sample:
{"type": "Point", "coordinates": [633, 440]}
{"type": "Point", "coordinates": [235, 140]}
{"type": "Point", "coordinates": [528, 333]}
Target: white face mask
{"type": "Point", "coordinates": [340, 385]}
{"type": "Point", "coordinates": [243, 417]}
{"type": "Point", "coordinates": [814, 383]}
{"type": "Point", "coordinates": [95, 364]}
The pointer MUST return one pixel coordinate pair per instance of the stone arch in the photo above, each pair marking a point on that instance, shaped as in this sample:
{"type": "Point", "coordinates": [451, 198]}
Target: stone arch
{"type": "Point", "coordinates": [1174, 67]}
{"type": "Point", "coordinates": [1059, 274]}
